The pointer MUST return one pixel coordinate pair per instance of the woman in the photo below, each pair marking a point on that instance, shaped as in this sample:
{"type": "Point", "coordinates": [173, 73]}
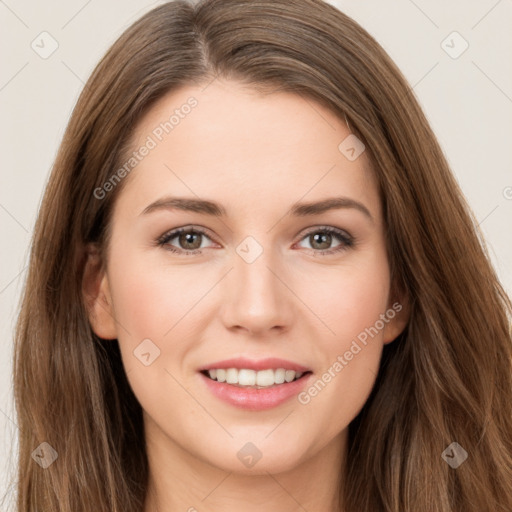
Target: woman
{"type": "Point", "coordinates": [367, 370]}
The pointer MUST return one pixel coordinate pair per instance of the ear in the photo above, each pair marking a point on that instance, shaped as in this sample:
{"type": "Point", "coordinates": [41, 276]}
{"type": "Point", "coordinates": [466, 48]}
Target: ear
{"type": "Point", "coordinates": [398, 314]}
{"type": "Point", "coordinates": [96, 294]}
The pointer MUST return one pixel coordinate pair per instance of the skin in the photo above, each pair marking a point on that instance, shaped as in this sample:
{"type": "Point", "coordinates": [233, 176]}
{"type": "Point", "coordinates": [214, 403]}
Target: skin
{"type": "Point", "coordinates": [291, 302]}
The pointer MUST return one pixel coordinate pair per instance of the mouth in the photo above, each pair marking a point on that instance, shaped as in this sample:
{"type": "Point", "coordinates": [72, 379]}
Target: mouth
{"type": "Point", "coordinates": [255, 379]}
{"type": "Point", "coordinates": [255, 385]}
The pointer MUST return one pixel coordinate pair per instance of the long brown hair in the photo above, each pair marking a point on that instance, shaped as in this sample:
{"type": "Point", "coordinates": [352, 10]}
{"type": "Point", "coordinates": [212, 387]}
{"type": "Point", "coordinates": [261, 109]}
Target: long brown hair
{"type": "Point", "coordinates": [446, 379]}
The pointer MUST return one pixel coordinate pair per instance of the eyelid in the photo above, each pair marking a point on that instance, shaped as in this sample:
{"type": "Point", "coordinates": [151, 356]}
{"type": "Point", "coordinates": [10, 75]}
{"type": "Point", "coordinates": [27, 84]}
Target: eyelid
{"type": "Point", "coordinates": [178, 230]}
{"type": "Point", "coordinates": [320, 227]}
{"type": "Point", "coordinates": [347, 239]}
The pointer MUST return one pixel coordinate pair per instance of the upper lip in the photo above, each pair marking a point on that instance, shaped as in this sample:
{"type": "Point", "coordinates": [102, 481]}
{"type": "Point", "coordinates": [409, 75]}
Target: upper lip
{"type": "Point", "coordinates": [253, 364]}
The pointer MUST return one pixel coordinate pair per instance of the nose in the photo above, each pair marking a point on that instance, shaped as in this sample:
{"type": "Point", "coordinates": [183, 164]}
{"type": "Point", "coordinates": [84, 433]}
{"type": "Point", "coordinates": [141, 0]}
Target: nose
{"type": "Point", "coordinates": [257, 295]}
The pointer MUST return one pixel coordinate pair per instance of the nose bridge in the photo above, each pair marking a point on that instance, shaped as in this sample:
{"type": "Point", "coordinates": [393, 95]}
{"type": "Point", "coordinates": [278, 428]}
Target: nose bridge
{"type": "Point", "coordinates": [252, 264]}
{"type": "Point", "coordinates": [256, 299]}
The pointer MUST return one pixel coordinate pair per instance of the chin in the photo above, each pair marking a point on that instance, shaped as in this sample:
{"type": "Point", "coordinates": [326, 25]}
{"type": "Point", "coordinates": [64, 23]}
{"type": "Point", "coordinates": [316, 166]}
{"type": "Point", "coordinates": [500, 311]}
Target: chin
{"type": "Point", "coordinates": [258, 458]}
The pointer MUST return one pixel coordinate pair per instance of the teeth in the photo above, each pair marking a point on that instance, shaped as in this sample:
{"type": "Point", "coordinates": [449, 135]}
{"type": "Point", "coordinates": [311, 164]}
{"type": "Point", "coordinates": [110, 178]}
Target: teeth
{"type": "Point", "coordinates": [252, 378]}
{"type": "Point", "coordinates": [279, 375]}
{"type": "Point", "coordinates": [232, 376]}
{"type": "Point", "coordinates": [289, 375]}
{"type": "Point", "coordinates": [247, 378]}
{"type": "Point", "coordinates": [265, 378]}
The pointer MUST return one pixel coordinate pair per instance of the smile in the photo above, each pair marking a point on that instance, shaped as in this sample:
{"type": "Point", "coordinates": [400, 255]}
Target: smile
{"type": "Point", "coordinates": [245, 377]}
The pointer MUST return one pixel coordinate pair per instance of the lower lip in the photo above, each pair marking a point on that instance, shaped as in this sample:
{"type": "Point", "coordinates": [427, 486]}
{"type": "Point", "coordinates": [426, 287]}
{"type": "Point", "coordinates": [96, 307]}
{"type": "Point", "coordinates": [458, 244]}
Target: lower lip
{"type": "Point", "coordinates": [256, 399]}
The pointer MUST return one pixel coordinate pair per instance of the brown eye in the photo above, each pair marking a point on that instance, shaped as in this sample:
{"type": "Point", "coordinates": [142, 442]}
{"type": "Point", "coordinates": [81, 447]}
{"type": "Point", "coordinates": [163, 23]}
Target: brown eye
{"type": "Point", "coordinates": [189, 240]}
{"type": "Point", "coordinates": [320, 241]}
{"type": "Point", "coordinates": [183, 240]}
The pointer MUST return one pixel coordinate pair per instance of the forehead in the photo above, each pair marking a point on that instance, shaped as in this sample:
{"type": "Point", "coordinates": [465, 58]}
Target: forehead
{"type": "Point", "coordinates": [228, 141]}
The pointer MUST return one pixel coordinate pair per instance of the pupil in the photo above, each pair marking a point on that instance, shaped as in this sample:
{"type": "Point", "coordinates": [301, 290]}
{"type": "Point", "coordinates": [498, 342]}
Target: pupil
{"type": "Point", "coordinates": [326, 237]}
{"type": "Point", "coordinates": [322, 239]}
{"type": "Point", "coordinates": [186, 238]}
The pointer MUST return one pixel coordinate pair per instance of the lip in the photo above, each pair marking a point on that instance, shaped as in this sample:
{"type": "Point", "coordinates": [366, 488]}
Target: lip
{"type": "Point", "coordinates": [261, 364]}
{"type": "Point", "coordinates": [253, 399]}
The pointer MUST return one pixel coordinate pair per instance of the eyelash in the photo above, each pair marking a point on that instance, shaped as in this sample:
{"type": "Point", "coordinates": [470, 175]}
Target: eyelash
{"type": "Point", "coordinates": [347, 241]}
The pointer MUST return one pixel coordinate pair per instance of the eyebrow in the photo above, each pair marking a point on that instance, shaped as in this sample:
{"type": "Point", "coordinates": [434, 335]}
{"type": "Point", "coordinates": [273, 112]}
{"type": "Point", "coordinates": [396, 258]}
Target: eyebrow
{"type": "Point", "coordinates": [216, 210]}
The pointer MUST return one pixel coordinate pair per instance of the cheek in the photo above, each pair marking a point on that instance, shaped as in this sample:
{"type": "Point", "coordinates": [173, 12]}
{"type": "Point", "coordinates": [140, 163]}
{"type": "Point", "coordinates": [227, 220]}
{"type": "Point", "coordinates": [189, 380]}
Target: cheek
{"type": "Point", "coordinates": [151, 299]}
{"type": "Point", "coordinates": [352, 302]}
{"type": "Point", "coordinates": [349, 299]}
{"type": "Point", "coordinates": [153, 310]}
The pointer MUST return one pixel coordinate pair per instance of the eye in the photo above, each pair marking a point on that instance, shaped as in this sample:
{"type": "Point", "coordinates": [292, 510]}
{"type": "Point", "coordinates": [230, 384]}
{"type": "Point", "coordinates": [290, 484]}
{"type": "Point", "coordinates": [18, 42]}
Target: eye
{"type": "Point", "coordinates": [189, 240]}
{"type": "Point", "coordinates": [321, 239]}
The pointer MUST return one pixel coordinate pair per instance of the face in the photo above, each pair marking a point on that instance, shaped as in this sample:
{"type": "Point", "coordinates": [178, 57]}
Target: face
{"type": "Point", "coordinates": [257, 279]}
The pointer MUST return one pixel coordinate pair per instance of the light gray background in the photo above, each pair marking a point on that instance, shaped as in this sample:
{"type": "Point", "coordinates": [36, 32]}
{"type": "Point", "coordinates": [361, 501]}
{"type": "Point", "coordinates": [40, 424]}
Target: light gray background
{"type": "Point", "coordinates": [468, 101]}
